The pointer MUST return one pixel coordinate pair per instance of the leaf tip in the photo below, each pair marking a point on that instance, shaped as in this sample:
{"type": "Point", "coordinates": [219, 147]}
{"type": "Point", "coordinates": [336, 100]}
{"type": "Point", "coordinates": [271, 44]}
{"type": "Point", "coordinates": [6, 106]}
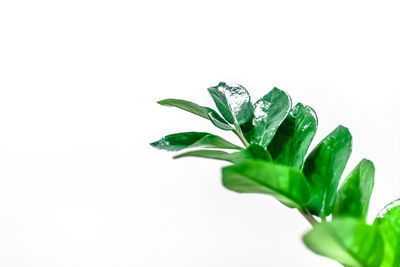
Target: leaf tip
{"type": "Point", "coordinates": [154, 144]}
{"type": "Point", "coordinates": [216, 86]}
{"type": "Point", "coordinates": [344, 131]}
{"type": "Point", "coordinates": [367, 161]}
{"type": "Point", "coordinates": [342, 128]}
{"type": "Point", "coordinates": [162, 102]}
{"type": "Point", "coordinates": [368, 164]}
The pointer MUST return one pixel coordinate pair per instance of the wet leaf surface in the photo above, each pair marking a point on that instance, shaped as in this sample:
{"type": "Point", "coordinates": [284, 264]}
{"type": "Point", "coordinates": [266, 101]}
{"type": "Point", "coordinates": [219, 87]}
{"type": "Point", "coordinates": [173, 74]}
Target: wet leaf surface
{"type": "Point", "coordinates": [233, 102]}
{"type": "Point", "coordinates": [269, 112]}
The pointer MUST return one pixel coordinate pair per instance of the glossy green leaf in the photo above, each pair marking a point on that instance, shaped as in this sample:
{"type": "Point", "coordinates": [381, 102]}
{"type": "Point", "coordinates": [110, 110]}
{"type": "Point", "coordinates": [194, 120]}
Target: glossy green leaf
{"type": "Point", "coordinates": [284, 183]}
{"type": "Point", "coordinates": [269, 112]}
{"type": "Point", "coordinates": [388, 222]}
{"type": "Point", "coordinates": [293, 137]}
{"type": "Point", "coordinates": [324, 167]}
{"type": "Point", "coordinates": [251, 152]}
{"type": "Point", "coordinates": [204, 112]}
{"type": "Point", "coordinates": [347, 240]}
{"type": "Point", "coordinates": [233, 102]}
{"type": "Point", "coordinates": [179, 141]}
{"type": "Point", "coordinates": [352, 199]}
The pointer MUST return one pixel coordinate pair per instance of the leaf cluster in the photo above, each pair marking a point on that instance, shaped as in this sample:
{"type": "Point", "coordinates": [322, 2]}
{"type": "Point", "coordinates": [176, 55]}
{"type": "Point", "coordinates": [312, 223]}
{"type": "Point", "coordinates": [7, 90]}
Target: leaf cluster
{"type": "Point", "coordinates": [275, 161]}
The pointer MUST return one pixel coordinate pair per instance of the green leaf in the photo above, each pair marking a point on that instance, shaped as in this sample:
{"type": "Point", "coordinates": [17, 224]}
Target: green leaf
{"type": "Point", "coordinates": [293, 137]}
{"type": "Point", "coordinates": [352, 199]}
{"type": "Point", "coordinates": [253, 176]}
{"type": "Point", "coordinates": [251, 152]}
{"type": "Point", "coordinates": [204, 112]}
{"type": "Point", "coordinates": [233, 102]}
{"type": "Point", "coordinates": [323, 168]}
{"type": "Point", "coordinates": [209, 154]}
{"type": "Point", "coordinates": [388, 222]}
{"type": "Point", "coordinates": [348, 241]}
{"type": "Point", "coordinates": [269, 112]}
{"type": "Point", "coordinates": [179, 141]}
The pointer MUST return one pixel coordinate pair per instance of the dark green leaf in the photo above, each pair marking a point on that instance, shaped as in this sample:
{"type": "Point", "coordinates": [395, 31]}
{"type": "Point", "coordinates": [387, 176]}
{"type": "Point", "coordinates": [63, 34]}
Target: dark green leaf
{"type": "Point", "coordinates": [323, 168]}
{"type": "Point", "coordinates": [269, 112]}
{"type": "Point", "coordinates": [201, 111]}
{"type": "Point", "coordinates": [352, 199]}
{"type": "Point", "coordinates": [348, 241]}
{"type": "Point", "coordinates": [285, 184]}
{"type": "Point", "coordinates": [251, 152]}
{"type": "Point", "coordinates": [388, 221]}
{"type": "Point", "coordinates": [293, 138]}
{"type": "Point", "coordinates": [233, 102]}
{"type": "Point", "coordinates": [179, 141]}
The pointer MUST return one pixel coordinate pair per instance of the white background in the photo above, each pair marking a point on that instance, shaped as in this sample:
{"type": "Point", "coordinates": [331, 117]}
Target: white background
{"type": "Point", "coordinates": [79, 81]}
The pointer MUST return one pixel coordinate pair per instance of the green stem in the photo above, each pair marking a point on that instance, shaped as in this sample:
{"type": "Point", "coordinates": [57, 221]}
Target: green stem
{"type": "Point", "coordinates": [241, 137]}
{"type": "Point", "coordinates": [308, 216]}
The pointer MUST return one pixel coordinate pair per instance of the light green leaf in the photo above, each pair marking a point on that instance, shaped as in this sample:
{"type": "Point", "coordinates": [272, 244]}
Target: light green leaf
{"type": "Point", "coordinates": [388, 222]}
{"type": "Point", "coordinates": [253, 176]}
{"type": "Point", "coordinates": [233, 102]}
{"type": "Point", "coordinates": [347, 240]}
{"type": "Point", "coordinates": [352, 199]}
{"type": "Point", "coordinates": [293, 137]}
{"type": "Point", "coordinates": [324, 167]}
{"type": "Point", "coordinates": [204, 112]}
{"type": "Point", "coordinates": [269, 112]}
{"type": "Point", "coordinates": [251, 152]}
{"type": "Point", "coordinates": [179, 141]}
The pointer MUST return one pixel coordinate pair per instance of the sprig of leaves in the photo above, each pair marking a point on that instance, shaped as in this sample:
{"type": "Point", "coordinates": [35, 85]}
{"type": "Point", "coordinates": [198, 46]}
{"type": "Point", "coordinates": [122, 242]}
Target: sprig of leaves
{"type": "Point", "coordinates": [277, 137]}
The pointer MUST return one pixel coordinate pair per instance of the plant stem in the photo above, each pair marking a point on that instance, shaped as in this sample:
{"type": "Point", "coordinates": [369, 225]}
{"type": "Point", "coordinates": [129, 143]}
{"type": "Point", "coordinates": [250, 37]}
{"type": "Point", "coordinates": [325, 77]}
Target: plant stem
{"type": "Point", "coordinates": [308, 216]}
{"type": "Point", "coordinates": [241, 137]}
